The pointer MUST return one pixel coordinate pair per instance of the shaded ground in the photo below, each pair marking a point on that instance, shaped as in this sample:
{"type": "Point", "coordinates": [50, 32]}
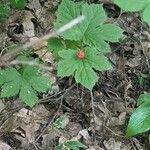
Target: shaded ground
{"type": "Point", "coordinates": [114, 95]}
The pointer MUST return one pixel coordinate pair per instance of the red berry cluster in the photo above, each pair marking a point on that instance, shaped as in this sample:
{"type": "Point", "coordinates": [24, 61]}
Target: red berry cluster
{"type": "Point", "coordinates": [80, 54]}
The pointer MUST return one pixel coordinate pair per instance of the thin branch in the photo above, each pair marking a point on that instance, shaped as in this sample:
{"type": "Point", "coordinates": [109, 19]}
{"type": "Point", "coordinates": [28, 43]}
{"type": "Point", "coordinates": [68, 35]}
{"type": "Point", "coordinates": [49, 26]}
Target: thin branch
{"type": "Point", "coordinates": [30, 63]}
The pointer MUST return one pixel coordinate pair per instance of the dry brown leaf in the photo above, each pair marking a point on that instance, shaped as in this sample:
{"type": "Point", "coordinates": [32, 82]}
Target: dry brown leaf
{"type": "Point", "coordinates": [34, 5]}
{"type": "Point", "coordinates": [4, 146]}
{"type": "Point", "coordinates": [84, 134]}
{"type": "Point", "coordinates": [22, 18]}
{"type": "Point", "coordinates": [111, 144]}
{"type": "Point", "coordinates": [120, 120]}
{"type": "Point", "coordinates": [134, 62]}
{"type": "Point", "coordinates": [43, 53]}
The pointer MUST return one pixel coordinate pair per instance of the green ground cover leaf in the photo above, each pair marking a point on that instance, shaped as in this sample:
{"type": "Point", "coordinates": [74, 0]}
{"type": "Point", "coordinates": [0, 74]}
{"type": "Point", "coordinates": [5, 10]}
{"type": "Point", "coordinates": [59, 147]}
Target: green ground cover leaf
{"type": "Point", "coordinates": [91, 30]}
{"type": "Point", "coordinates": [139, 121]}
{"type": "Point", "coordinates": [82, 68]}
{"type": "Point", "coordinates": [25, 83]}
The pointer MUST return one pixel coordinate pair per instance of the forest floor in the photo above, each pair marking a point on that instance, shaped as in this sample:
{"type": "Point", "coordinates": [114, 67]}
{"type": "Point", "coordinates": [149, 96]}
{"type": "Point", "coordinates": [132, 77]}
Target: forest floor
{"type": "Point", "coordinates": [114, 96]}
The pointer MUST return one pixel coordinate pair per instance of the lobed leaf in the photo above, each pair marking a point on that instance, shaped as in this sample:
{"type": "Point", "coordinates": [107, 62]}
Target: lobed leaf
{"type": "Point", "coordinates": [82, 68]}
{"type": "Point", "coordinates": [91, 29]}
{"type": "Point", "coordinates": [26, 84]}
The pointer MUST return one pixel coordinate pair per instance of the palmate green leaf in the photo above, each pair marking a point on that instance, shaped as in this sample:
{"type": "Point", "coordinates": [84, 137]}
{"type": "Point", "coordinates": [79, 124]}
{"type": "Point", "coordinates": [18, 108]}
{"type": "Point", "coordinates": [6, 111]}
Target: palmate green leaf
{"type": "Point", "coordinates": [82, 68]}
{"type": "Point", "coordinates": [26, 84]}
{"type": "Point", "coordinates": [74, 145]}
{"type": "Point", "coordinates": [91, 28]}
{"type": "Point", "coordinates": [136, 5]}
{"type": "Point", "coordinates": [139, 121]}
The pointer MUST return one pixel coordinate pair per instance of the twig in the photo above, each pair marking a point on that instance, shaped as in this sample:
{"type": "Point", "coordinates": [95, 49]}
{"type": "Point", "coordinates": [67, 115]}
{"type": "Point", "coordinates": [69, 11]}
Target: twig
{"type": "Point", "coordinates": [59, 98]}
{"type": "Point", "coordinates": [114, 132]}
{"type": "Point", "coordinates": [30, 63]}
{"type": "Point", "coordinates": [50, 122]}
{"type": "Point", "coordinates": [93, 112]}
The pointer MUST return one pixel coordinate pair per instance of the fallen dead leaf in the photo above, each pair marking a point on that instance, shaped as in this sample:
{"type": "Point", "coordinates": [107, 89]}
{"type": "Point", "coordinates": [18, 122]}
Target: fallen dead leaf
{"type": "Point", "coordinates": [111, 144]}
{"type": "Point", "coordinates": [4, 146]}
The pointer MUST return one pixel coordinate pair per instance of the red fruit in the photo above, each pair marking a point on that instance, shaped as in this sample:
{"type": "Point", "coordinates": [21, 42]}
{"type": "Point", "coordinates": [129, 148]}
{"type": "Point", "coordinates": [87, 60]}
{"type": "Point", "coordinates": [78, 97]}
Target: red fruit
{"type": "Point", "coordinates": [80, 54]}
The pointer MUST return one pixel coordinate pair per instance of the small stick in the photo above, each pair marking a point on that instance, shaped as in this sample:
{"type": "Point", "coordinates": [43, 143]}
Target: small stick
{"type": "Point", "coordinates": [30, 63]}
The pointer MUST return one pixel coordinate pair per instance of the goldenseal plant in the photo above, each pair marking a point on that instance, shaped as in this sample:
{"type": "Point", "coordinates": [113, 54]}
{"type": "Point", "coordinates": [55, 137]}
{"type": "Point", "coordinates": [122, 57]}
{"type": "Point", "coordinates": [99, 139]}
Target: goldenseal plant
{"type": "Point", "coordinates": [80, 49]}
{"type": "Point", "coordinates": [26, 81]}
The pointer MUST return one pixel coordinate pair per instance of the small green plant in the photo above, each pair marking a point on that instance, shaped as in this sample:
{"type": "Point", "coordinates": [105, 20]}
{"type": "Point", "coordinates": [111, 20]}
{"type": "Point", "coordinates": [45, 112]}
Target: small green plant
{"type": "Point", "coordinates": [26, 81]}
{"type": "Point", "coordinates": [4, 11]}
{"type": "Point", "coordinates": [18, 4]}
{"type": "Point", "coordinates": [70, 145]}
{"type": "Point", "coordinates": [81, 47]}
{"type": "Point", "coordinates": [140, 119]}
{"type": "Point", "coordinates": [136, 5]}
